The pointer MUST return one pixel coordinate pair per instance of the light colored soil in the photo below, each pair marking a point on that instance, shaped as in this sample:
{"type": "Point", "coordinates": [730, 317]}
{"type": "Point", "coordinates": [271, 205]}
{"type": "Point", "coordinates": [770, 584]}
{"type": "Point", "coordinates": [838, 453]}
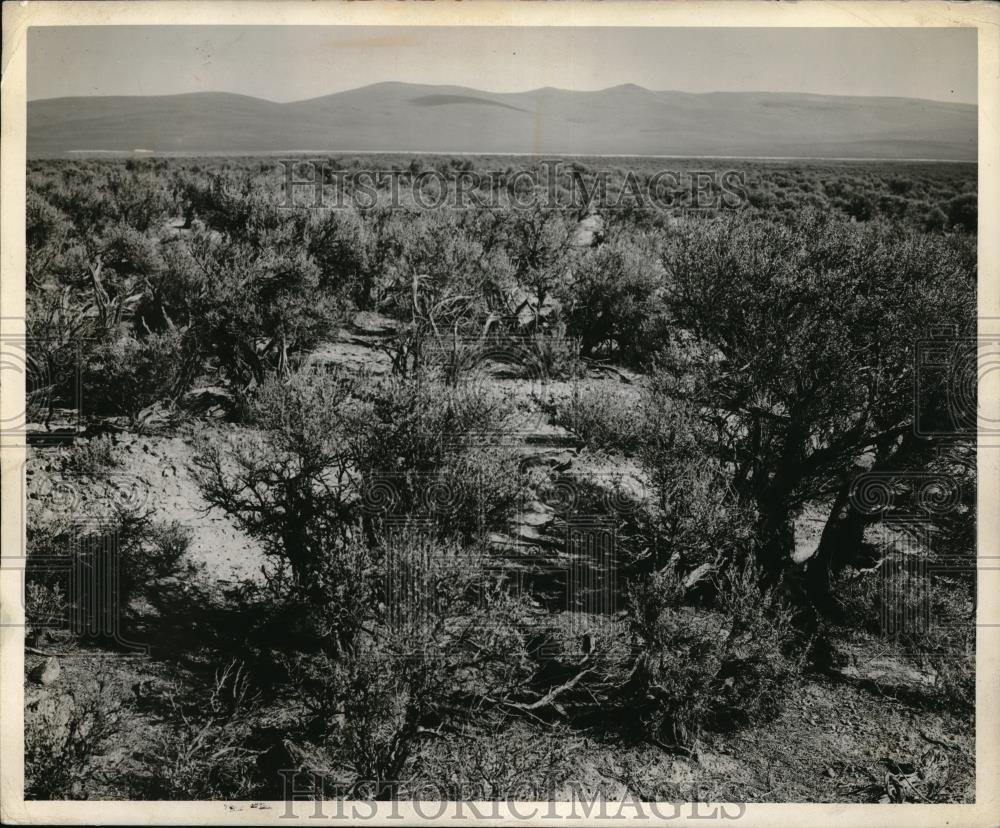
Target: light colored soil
{"type": "Point", "coordinates": [226, 552]}
{"type": "Point", "coordinates": [156, 474]}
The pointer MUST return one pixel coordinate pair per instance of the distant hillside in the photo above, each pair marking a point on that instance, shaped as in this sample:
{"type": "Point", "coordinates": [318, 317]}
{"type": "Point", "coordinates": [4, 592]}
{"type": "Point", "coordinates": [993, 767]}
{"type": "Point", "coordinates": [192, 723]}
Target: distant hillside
{"type": "Point", "coordinates": [622, 120]}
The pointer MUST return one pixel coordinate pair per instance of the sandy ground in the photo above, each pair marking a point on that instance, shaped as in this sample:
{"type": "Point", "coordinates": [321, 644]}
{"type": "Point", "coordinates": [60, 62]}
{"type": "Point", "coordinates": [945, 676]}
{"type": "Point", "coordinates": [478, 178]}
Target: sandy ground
{"type": "Point", "coordinates": [155, 474]}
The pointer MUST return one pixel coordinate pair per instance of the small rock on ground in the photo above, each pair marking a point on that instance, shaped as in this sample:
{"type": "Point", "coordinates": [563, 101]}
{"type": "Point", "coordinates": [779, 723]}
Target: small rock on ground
{"type": "Point", "coordinates": [47, 672]}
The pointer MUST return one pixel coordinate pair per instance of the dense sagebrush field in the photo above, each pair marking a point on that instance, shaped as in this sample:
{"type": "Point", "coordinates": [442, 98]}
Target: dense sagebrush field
{"type": "Point", "coordinates": [518, 499]}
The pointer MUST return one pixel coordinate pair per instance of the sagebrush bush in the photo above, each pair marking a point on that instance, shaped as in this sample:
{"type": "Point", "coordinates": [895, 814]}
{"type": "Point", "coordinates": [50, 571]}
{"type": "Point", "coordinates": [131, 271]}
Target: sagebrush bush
{"type": "Point", "coordinates": [540, 244]}
{"type": "Point", "coordinates": [44, 603]}
{"type": "Point", "coordinates": [476, 491]}
{"type": "Point", "coordinates": [437, 633]}
{"type": "Point", "coordinates": [771, 310]}
{"type": "Point", "coordinates": [603, 418]}
{"type": "Point", "coordinates": [513, 763]}
{"type": "Point", "coordinates": [335, 605]}
{"type": "Point", "coordinates": [555, 354]}
{"type": "Point", "coordinates": [143, 551]}
{"type": "Point", "coordinates": [764, 650]}
{"type": "Point", "coordinates": [385, 698]}
{"type": "Point", "coordinates": [129, 374]}
{"type": "Point", "coordinates": [65, 734]}
{"type": "Point", "coordinates": [413, 425]}
{"type": "Point", "coordinates": [441, 279]}
{"type": "Point", "coordinates": [45, 606]}
{"type": "Point", "coordinates": [719, 669]}
{"type": "Point", "coordinates": [93, 458]}
{"type": "Point", "coordinates": [292, 484]}
{"type": "Point", "coordinates": [616, 288]}
{"type": "Point", "coordinates": [681, 654]}
{"type": "Point", "coordinates": [148, 551]}
{"type": "Point", "coordinates": [203, 752]}
{"type": "Point", "coordinates": [46, 231]}
{"type": "Point", "coordinates": [696, 520]}
{"type": "Point", "coordinates": [333, 454]}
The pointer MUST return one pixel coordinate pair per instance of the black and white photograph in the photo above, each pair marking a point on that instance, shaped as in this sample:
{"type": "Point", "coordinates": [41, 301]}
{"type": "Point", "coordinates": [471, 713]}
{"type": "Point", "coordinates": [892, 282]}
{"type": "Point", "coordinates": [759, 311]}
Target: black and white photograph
{"type": "Point", "coordinates": [442, 414]}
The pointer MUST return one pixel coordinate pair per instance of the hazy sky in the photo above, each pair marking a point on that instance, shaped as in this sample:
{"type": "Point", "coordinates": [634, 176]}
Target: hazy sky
{"type": "Point", "coordinates": [294, 63]}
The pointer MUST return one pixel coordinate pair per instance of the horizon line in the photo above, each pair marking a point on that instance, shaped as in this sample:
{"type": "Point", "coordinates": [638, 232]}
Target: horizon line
{"type": "Point", "coordinates": [145, 153]}
{"type": "Point", "coordinates": [521, 92]}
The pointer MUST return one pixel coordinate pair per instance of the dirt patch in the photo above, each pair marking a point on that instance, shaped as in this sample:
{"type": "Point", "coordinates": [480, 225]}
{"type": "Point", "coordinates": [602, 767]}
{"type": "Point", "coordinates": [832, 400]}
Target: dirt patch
{"type": "Point", "coordinates": [155, 473]}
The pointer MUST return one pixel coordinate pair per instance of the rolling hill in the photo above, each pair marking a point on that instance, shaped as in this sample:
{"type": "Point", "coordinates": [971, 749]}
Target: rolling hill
{"type": "Point", "coordinates": [401, 117]}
